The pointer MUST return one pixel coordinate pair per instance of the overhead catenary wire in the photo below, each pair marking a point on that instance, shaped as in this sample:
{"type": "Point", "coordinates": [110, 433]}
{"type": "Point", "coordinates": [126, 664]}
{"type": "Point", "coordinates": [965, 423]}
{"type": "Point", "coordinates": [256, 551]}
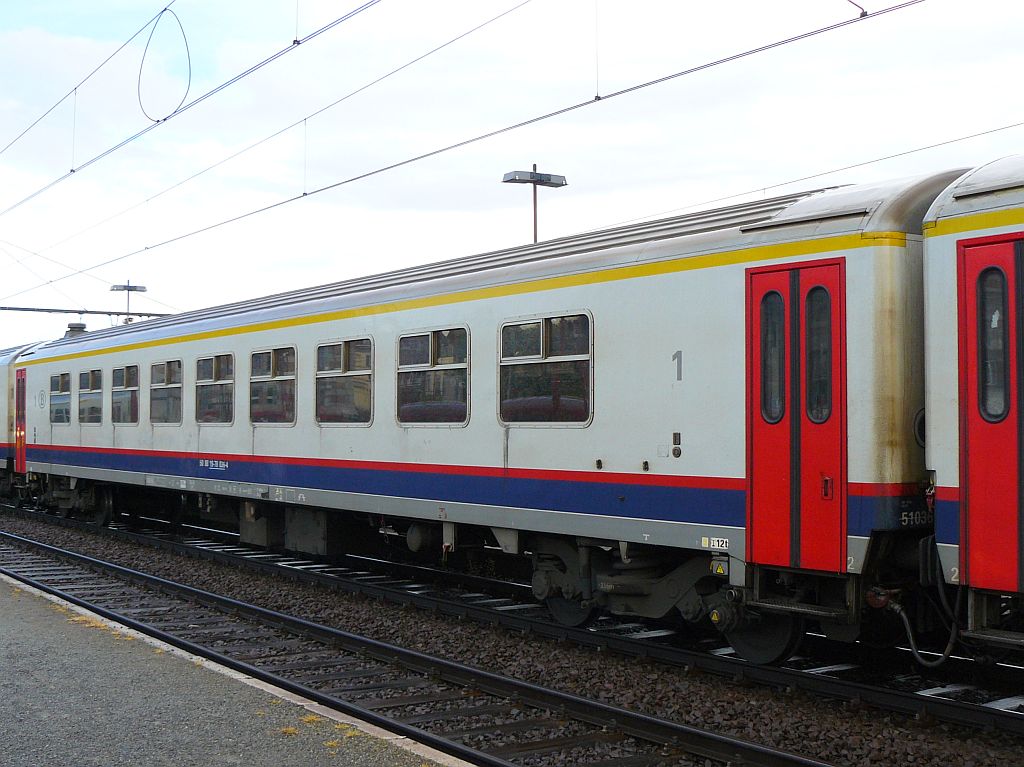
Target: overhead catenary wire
{"type": "Point", "coordinates": [194, 102]}
{"type": "Point", "coordinates": [820, 174]}
{"type": "Point", "coordinates": [85, 79]}
{"type": "Point", "coordinates": [297, 123]}
{"type": "Point", "coordinates": [188, 60]}
{"type": "Point", "coordinates": [66, 267]}
{"type": "Point", "coordinates": [469, 141]}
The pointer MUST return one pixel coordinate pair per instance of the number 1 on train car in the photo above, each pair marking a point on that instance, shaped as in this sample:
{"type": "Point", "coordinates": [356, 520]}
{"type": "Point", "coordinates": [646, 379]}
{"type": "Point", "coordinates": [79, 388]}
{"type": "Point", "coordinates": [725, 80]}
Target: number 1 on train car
{"type": "Point", "coordinates": [990, 413]}
{"type": "Point", "coordinates": [796, 414]}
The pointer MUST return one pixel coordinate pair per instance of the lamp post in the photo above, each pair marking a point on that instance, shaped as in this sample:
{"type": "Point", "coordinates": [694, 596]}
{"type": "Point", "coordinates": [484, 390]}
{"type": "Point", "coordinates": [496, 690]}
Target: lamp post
{"type": "Point", "coordinates": [128, 289]}
{"type": "Point", "coordinates": [536, 179]}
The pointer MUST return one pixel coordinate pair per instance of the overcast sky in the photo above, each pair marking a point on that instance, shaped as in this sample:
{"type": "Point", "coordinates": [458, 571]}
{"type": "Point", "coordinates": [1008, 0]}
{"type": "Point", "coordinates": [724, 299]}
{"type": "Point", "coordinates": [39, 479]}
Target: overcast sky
{"type": "Point", "coordinates": [904, 80]}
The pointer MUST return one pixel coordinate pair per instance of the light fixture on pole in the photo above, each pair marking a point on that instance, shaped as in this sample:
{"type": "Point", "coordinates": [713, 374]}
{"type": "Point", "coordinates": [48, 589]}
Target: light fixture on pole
{"type": "Point", "coordinates": [128, 289]}
{"type": "Point", "coordinates": [536, 179]}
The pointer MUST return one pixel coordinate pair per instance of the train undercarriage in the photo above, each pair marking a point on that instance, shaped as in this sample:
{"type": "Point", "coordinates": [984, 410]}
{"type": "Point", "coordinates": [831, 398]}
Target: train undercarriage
{"type": "Point", "coordinates": [581, 578]}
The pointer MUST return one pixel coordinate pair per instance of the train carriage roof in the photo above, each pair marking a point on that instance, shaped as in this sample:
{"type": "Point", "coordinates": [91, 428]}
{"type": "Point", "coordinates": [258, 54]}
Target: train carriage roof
{"type": "Point", "coordinates": [998, 185]}
{"type": "Point", "coordinates": [883, 207]}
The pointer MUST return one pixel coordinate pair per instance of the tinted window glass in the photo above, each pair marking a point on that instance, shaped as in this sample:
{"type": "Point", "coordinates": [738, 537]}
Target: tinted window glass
{"type": "Point", "coordinates": [124, 406]}
{"type": "Point", "coordinates": [414, 350]}
{"type": "Point", "coordinates": [343, 399]}
{"type": "Point", "coordinates": [60, 408]}
{"type": "Point", "coordinates": [165, 405]}
{"type": "Point", "coordinates": [272, 401]}
{"type": "Point", "coordinates": [568, 335]}
{"type": "Point", "coordinates": [819, 355]}
{"type": "Point", "coordinates": [359, 354]}
{"type": "Point", "coordinates": [545, 392]}
{"type": "Point", "coordinates": [214, 403]}
{"type": "Point", "coordinates": [204, 369]}
{"type": "Point", "coordinates": [520, 340]}
{"type": "Point", "coordinates": [993, 346]}
{"type": "Point", "coordinates": [261, 362]}
{"type": "Point", "coordinates": [328, 357]}
{"type": "Point", "coordinates": [450, 346]}
{"type": "Point", "coordinates": [773, 357]}
{"type": "Point", "coordinates": [432, 396]}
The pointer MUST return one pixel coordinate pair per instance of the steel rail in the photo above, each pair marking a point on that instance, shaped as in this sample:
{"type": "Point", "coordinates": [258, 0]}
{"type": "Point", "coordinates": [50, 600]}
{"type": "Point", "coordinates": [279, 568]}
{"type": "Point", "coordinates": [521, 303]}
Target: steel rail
{"type": "Point", "coordinates": [689, 739]}
{"type": "Point", "coordinates": [912, 703]}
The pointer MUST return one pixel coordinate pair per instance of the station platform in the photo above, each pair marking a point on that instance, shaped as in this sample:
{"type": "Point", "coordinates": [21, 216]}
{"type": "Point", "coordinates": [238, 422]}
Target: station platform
{"type": "Point", "coordinates": [78, 690]}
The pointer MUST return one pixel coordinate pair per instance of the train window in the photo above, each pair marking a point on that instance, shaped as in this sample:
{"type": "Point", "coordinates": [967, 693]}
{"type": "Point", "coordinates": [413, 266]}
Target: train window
{"type": "Point", "coordinates": [124, 395]}
{"type": "Point", "coordinates": [993, 346]}
{"type": "Point", "coordinates": [60, 398]}
{"type": "Point", "coordinates": [414, 350]}
{"type": "Point", "coordinates": [215, 389]}
{"type": "Point", "coordinates": [819, 354]}
{"type": "Point", "coordinates": [521, 340]}
{"type": "Point", "coordinates": [773, 358]}
{"type": "Point", "coordinates": [272, 386]}
{"type": "Point", "coordinates": [165, 392]}
{"type": "Point", "coordinates": [328, 358]}
{"type": "Point", "coordinates": [90, 396]}
{"type": "Point", "coordinates": [553, 386]}
{"type": "Point", "coordinates": [436, 390]}
{"type": "Point", "coordinates": [344, 382]}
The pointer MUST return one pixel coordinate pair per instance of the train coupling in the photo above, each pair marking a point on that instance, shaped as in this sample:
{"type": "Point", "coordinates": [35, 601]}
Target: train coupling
{"type": "Point", "coordinates": [882, 599]}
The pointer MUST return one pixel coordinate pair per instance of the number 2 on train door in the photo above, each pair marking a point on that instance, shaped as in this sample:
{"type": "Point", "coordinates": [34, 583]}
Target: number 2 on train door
{"type": "Point", "coordinates": [796, 415]}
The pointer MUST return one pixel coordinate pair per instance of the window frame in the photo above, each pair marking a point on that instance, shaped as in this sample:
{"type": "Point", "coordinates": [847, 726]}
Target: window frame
{"type": "Point", "coordinates": [164, 385]}
{"type": "Point", "coordinates": [92, 373]}
{"type": "Point", "coordinates": [60, 392]}
{"type": "Point", "coordinates": [123, 388]}
{"type": "Point", "coordinates": [545, 358]}
{"type": "Point", "coordinates": [467, 366]}
{"type": "Point", "coordinates": [765, 381]}
{"type": "Point", "coordinates": [215, 381]}
{"type": "Point", "coordinates": [344, 372]}
{"type": "Point", "coordinates": [294, 377]}
{"type": "Point", "coordinates": [981, 356]}
{"type": "Point", "coordinates": [810, 363]}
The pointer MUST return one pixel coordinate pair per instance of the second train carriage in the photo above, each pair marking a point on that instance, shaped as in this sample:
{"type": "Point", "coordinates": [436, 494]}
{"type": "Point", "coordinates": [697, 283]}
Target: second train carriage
{"type": "Point", "coordinates": [974, 322]}
{"type": "Point", "coordinates": [717, 414]}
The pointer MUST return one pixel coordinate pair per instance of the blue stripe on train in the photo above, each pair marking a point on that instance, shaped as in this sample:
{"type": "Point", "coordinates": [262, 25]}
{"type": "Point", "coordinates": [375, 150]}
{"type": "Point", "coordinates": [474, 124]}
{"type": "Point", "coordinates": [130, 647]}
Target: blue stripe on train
{"type": "Point", "coordinates": [873, 512]}
{"type": "Point", "coordinates": [674, 504]}
{"type": "Point", "coordinates": [947, 522]}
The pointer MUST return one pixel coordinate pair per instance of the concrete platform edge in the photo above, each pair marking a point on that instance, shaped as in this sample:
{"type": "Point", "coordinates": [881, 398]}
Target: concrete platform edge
{"type": "Point", "coordinates": [313, 707]}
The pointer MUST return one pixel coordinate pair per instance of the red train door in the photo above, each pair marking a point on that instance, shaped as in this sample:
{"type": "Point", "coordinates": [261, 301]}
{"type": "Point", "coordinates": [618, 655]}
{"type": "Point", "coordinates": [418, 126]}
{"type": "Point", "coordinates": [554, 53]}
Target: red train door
{"type": "Point", "coordinates": [796, 415]}
{"type": "Point", "coordinates": [990, 415]}
{"type": "Point", "coordinates": [19, 421]}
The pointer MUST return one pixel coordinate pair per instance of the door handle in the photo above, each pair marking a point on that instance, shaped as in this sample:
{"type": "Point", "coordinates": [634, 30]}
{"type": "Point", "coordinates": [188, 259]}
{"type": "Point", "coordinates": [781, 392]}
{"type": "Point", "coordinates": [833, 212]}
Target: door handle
{"type": "Point", "coordinates": [826, 488]}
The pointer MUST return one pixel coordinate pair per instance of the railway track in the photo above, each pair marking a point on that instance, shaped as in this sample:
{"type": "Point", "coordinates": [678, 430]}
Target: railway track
{"type": "Point", "coordinates": [962, 692]}
{"type": "Point", "coordinates": [478, 716]}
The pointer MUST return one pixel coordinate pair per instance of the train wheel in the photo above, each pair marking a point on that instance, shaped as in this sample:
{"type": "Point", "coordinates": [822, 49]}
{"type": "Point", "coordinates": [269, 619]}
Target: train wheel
{"type": "Point", "coordinates": [104, 511]}
{"type": "Point", "coordinates": [570, 612]}
{"type": "Point", "coordinates": [768, 637]}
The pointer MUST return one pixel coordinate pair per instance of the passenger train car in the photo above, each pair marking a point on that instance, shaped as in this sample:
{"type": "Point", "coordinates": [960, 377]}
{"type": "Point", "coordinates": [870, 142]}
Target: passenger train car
{"type": "Point", "coordinates": [973, 313]}
{"type": "Point", "coordinates": [719, 415]}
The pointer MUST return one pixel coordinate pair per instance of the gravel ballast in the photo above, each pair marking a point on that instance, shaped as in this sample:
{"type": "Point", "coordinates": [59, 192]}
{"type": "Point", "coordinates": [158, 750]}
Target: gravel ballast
{"type": "Point", "coordinates": [826, 730]}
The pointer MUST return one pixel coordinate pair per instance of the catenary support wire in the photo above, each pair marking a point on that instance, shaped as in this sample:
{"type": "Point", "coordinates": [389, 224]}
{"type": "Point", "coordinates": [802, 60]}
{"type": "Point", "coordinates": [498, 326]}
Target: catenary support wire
{"type": "Point", "coordinates": [197, 100]}
{"type": "Point", "coordinates": [473, 140]}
